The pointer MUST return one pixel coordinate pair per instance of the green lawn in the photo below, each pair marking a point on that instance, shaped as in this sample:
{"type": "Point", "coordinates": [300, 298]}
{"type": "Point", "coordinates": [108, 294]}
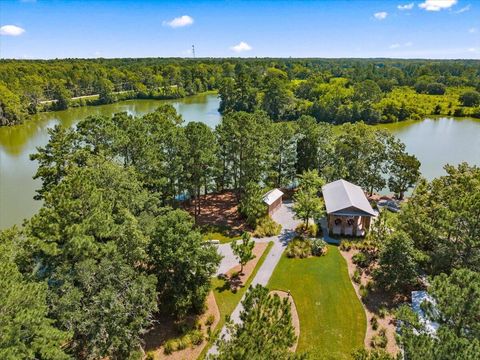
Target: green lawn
{"type": "Point", "coordinates": [332, 319]}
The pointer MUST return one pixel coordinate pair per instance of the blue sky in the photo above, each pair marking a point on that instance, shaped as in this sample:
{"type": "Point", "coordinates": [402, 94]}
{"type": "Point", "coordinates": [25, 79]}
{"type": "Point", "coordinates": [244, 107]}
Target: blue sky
{"type": "Point", "coordinates": [403, 28]}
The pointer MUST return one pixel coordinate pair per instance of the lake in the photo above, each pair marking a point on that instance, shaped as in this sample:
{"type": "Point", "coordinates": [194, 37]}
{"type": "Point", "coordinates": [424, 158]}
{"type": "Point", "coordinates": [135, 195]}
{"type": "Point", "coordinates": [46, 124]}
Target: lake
{"type": "Point", "coordinates": [434, 141]}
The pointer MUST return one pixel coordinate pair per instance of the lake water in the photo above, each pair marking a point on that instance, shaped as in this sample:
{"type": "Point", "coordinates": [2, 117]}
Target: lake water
{"type": "Point", "coordinates": [434, 141]}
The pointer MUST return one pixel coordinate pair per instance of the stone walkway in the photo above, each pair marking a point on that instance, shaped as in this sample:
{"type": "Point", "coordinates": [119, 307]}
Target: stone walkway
{"type": "Point", "coordinates": [285, 217]}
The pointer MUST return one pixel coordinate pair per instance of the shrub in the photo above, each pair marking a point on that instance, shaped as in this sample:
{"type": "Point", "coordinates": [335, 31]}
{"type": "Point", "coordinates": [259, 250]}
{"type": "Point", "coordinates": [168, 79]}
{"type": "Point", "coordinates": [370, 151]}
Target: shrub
{"type": "Point", "coordinates": [267, 227]}
{"type": "Point", "coordinates": [360, 259]}
{"type": "Point", "coordinates": [318, 247]}
{"type": "Point", "coordinates": [183, 342]}
{"type": "Point", "coordinates": [150, 356]}
{"type": "Point", "coordinates": [363, 291]}
{"type": "Point", "coordinates": [299, 248]}
{"type": "Point", "coordinates": [380, 340]}
{"type": "Point", "coordinates": [382, 312]}
{"type": "Point", "coordinates": [357, 276]}
{"type": "Point", "coordinates": [196, 337]}
{"type": "Point", "coordinates": [374, 322]}
{"type": "Point", "coordinates": [311, 231]}
{"type": "Point", "coordinates": [210, 319]}
{"type": "Point", "coordinates": [170, 346]}
{"type": "Point", "coordinates": [345, 245]}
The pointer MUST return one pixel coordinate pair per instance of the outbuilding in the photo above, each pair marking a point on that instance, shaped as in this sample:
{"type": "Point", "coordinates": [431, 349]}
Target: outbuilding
{"type": "Point", "coordinates": [348, 209]}
{"type": "Point", "coordinates": [273, 199]}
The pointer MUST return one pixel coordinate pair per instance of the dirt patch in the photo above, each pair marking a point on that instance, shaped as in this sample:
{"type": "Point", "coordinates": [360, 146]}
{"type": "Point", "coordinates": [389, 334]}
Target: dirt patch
{"type": "Point", "coordinates": [372, 305]}
{"type": "Point", "coordinates": [165, 330]}
{"type": "Point", "coordinates": [237, 279]}
{"type": "Point", "coordinates": [220, 209]}
{"type": "Point", "coordinates": [295, 319]}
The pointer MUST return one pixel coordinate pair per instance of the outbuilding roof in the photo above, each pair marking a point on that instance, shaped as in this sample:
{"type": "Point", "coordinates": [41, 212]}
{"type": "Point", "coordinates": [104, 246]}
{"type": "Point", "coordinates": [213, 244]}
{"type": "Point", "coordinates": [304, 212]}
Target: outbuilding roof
{"type": "Point", "coordinates": [342, 196]}
{"type": "Point", "coordinates": [273, 195]}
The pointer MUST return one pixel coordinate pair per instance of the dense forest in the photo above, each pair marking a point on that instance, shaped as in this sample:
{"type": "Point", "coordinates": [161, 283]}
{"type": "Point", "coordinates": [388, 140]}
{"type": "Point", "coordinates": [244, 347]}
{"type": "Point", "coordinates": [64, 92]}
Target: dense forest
{"type": "Point", "coordinates": [330, 90]}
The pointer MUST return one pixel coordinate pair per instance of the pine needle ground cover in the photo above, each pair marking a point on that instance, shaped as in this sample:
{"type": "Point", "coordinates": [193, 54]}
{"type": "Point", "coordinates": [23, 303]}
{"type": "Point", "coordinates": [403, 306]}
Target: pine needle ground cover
{"type": "Point", "coordinates": [332, 319]}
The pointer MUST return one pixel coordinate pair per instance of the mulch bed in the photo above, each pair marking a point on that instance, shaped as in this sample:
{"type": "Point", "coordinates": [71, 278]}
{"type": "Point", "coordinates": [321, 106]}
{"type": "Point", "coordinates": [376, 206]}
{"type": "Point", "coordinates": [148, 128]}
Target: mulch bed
{"type": "Point", "coordinates": [236, 279]}
{"type": "Point", "coordinates": [220, 209]}
{"type": "Point", "coordinates": [372, 304]}
{"type": "Point", "coordinates": [165, 329]}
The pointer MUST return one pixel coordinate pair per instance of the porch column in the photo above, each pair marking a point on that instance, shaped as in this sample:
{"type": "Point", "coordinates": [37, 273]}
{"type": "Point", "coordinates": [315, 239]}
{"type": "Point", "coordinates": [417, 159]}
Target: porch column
{"type": "Point", "coordinates": [342, 231]}
{"type": "Point", "coordinates": [330, 223]}
{"type": "Point", "coordinates": [355, 225]}
{"type": "Point", "coordinates": [367, 222]}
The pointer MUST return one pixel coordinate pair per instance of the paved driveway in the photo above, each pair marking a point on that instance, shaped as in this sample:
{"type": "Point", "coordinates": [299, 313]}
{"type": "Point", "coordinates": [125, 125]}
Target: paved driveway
{"type": "Point", "coordinates": [285, 217]}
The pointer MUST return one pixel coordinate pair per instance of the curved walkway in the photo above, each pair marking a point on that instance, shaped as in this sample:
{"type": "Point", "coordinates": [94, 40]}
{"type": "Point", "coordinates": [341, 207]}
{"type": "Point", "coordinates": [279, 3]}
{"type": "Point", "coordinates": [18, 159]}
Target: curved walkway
{"type": "Point", "coordinates": [285, 217]}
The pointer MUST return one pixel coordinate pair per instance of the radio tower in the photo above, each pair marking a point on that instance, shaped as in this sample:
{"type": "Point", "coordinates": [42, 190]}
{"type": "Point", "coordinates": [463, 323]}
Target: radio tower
{"type": "Point", "coordinates": [193, 51]}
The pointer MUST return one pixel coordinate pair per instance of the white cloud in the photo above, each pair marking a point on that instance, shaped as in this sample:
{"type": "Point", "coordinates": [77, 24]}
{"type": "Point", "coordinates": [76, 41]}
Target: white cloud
{"type": "Point", "coordinates": [406, 6]}
{"type": "Point", "coordinates": [437, 5]}
{"type": "Point", "coordinates": [11, 30]}
{"type": "Point", "coordinates": [241, 47]}
{"type": "Point", "coordinates": [473, 30]}
{"type": "Point", "coordinates": [472, 49]}
{"type": "Point", "coordinates": [380, 15]}
{"type": "Point", "coordinates": [462, 10]}
{"type": "Point", "coordinates": [181, 21]}
{"type": "Point", "coordinates": [397, 45]}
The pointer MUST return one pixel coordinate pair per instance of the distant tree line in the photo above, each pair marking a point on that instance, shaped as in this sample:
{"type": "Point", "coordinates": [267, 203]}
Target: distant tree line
{"type": "Point", "coordinates": [331, 90]}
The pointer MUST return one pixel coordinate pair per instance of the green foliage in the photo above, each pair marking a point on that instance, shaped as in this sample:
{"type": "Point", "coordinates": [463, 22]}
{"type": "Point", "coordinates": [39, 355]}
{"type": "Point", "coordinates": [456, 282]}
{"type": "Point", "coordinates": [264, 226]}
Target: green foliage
{"type": "Point", "coordinates": [361, 259]}
{"type": "Point", "coordinates": [357, 276]}
{"type": "Point", "coordinates": [318, 247]}
{"type": "Point", "coordinates": [470, 98]}
{"type": "Point", "coordinates": [267, 227]}
{"type": "Point", "coordinates": [252, 206]}
{"type": "Point", "coordinates": [106, 304]}
{"type": "Point", "coordinates": [243, 249]}
{"type": "Point", "coordinates": [299, 248]}
{"type": "Point", "coordinates": [210, 319]}
{"type": "Point", "coordinates": [376, 354]}
{"type": "Point", "coordinates": [307, 231]}
{"type": "Point", "coordinates": [374, 322]}
{"type": "Point", "coordinates": [265, 331]}
{"type": "Point", "coordinates": [181, 262]}
{"type": "Point", "coordinates": [379, 340]}
{"type": "Point", "coordinates": [455, 310]}
{"type": "Point", "coordinates": [307, 202]}
{"type": "Point", "coordinates": [398, 268]}
{"type": "Point", "coordinates": [457, 302]}
{"type": "Point", "coordinates": [199, 160]}
{"type": "Point", "coordinates": [27, 332]}
{"type": "Point", "coordinates": [333, 90]}
{"type": "Point", "coordinates": [441, 216]}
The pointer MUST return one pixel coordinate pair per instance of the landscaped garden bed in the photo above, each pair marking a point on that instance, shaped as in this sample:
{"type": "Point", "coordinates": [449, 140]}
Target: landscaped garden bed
{"type": "Point", "coordinates": [381, 329]}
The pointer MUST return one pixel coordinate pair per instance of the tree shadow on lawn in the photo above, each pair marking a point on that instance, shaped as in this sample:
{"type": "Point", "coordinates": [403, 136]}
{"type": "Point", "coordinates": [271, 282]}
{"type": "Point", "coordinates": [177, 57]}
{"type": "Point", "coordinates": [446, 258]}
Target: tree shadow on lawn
{"type": "Point", "coordinates": [232, 284]}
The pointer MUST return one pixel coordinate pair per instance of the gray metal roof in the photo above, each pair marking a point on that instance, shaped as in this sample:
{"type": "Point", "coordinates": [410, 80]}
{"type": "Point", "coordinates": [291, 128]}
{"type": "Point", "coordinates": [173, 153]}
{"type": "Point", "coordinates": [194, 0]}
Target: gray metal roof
{"type": "Point", "coordinates": [343, 195]}
{"type": "Point", "coordinates": [270, 197]}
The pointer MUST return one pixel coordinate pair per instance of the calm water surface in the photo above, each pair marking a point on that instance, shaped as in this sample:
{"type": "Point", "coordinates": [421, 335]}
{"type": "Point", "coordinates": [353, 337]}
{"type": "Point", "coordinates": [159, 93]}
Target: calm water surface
{"type": "Point", "coordinates": [434, 141]}
{"type": "Point", "coordinates": [17, 187]}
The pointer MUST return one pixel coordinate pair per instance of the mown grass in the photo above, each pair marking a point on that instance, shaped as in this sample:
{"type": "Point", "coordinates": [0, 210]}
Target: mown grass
{"type": "Point", "coordinates": [332, 319]}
